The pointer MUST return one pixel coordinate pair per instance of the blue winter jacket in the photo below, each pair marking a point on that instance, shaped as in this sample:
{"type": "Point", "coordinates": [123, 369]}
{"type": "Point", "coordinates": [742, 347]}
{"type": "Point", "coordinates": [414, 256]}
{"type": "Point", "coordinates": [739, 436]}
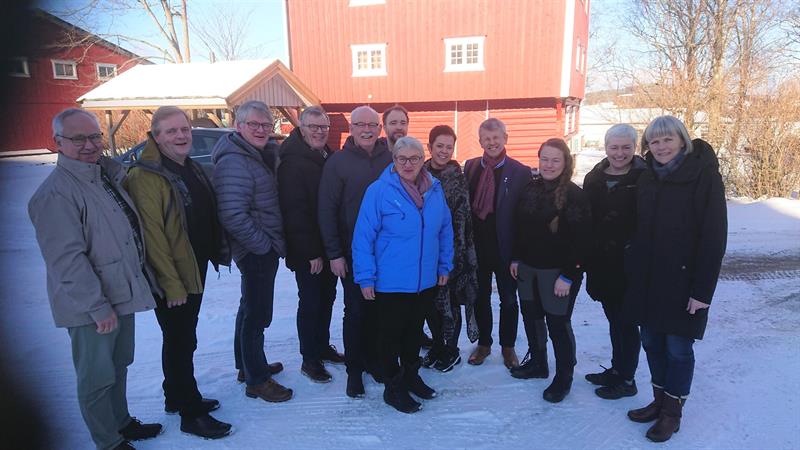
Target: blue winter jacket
{"type": "Point", "coordinates": [398, 247]}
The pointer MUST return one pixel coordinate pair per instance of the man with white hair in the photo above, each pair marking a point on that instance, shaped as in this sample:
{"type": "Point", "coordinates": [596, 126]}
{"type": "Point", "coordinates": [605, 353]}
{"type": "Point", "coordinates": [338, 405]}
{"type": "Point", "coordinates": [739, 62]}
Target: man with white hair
{"type": "Point", "coordinates": [345, 178]}
{"type": "Point", "coordinates": [90, 236]}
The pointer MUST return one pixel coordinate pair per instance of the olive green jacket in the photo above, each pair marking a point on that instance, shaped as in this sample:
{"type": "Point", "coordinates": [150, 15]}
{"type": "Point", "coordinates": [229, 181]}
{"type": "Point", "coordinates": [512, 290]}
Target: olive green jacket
{"type": "Point", "coordinates": [155, 191]}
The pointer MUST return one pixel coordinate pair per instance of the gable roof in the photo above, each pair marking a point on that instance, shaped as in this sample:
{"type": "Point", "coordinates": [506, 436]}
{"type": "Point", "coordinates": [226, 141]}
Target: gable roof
{"type": "Point", "coordinates": [221, 84]}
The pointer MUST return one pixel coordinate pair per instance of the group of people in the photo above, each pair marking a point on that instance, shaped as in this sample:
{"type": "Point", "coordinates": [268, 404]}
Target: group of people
{"type": "Point", "coordinates": [412, 240]}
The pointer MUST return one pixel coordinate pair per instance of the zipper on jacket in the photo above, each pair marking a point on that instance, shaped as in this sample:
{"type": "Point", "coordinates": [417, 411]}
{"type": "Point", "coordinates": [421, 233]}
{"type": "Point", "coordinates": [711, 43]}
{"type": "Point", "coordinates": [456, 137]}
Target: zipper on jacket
{"type": "Point", "coordinates": [421, 241]}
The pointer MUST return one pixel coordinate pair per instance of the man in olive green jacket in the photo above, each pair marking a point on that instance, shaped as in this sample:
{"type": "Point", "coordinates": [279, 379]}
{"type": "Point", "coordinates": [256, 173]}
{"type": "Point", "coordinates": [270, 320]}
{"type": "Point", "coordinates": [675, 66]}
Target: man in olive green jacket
{"type": "Point", "coordinates": [179, 214]}
{"type": "Point", "coordinates": [90, 237]}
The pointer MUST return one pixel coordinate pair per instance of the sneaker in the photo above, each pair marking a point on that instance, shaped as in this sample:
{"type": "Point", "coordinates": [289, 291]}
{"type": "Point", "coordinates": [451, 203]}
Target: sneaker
{"type": "Point", "coordinates": [270, 391]}
{"type": "Point", "coordinates": [355, 385]}
{"type": "Point", "coordinates": [137, 431]}
{"type": "Point", "coordinates": [274, 369]}
{"type": "Point", "coordinates": [206, 406]}
{"type": "Point", "coordinates": [124, 445]}
{"type": "Point", "coordinates": [315, 370]}
{"type": "Point", "coordinates": [205, 427]}
{"type": "Point", "coordinates": [331, 355]}
{"type": "Point", "coordinates": [531, 367]}
{"type": "Point", "coordinates": [447, 360]}
{"type": "Point", "coordinates": [430, 358]}
{"type": "Point", "coordinates": [625, 388]}
{"type": "Point", "coordinates": [605, 378]}
{"type": "Point", "coordinates": [558, 389]}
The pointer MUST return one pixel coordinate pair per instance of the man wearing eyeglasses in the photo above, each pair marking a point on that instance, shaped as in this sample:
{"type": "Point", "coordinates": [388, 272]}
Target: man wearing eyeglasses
{"type": "Point", "coordinates": [183, 233]}
{"type": "Point", "coordinates": [303, 156]}
{"type": "Point", "coordinates": [345, 178]}
{"type": "Point", "coordinates": [249, 209]}
{"type": "Point", "coordinates": [91, 238]}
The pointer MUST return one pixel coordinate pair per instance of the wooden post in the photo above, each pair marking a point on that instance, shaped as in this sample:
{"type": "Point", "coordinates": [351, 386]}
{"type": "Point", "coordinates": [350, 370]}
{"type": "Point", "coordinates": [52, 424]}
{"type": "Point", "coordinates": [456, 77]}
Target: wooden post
{"type": "Point", "coordinates": [111, 140]}
{"type": "Point", "coordinates": [228, 118]}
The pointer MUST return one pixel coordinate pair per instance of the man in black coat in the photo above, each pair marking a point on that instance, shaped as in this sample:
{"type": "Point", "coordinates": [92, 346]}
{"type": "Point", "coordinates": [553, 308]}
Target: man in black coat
{"type": "Point", "coordinates": [303, 155]}
{"type": "Point", "coordinates": [345, 178]}
{"type": "Point", "coordinates": [494, 196]}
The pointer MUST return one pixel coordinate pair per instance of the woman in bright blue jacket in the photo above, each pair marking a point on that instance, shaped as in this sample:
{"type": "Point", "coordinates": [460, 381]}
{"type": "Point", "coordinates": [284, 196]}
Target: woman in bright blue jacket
{"type": "Point", "coordinates": [403, 249]}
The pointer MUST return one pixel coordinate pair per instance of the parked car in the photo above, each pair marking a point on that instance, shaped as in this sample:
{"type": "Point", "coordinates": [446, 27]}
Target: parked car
{"type": "Point", "coordinates": [203, 141]}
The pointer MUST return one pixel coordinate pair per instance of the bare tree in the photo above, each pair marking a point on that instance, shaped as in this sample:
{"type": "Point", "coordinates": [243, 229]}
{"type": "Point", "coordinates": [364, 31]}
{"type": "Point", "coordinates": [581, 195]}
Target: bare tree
{"type": "Point", "coordinates": [162, 14]}
{"type": "Point", "coordinates": [224, 33]}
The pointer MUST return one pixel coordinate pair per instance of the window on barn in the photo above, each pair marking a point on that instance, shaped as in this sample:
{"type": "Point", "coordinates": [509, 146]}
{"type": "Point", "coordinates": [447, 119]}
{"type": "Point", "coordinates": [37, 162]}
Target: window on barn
{"type": "Point", "coordinates": [106, 71]}
{"type": "Point", "coordinates": [463, 54]}
{"type": "Point", "coordinates": [18, 67]}
{"type": "Point", "coordinates": [64, 70]}
{"type": "Point", "coordinates": [369, 60]}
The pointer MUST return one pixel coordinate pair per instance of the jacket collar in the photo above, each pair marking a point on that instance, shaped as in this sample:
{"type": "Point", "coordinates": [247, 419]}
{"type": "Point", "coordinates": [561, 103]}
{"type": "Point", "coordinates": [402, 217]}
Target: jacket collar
{"type": "Point", "coordinates": [296, 146]}
{"type": "Point", "coordinates": [91, 172]}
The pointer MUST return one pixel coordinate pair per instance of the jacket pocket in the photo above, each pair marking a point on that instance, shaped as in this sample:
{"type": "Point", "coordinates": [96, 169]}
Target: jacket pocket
{"type": "Point", "coordinates": [114, 282]}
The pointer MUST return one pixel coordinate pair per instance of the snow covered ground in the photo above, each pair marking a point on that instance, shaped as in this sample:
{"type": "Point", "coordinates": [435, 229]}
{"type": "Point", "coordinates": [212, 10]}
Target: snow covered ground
{"type": "Point", "coordinates": [746, 391]}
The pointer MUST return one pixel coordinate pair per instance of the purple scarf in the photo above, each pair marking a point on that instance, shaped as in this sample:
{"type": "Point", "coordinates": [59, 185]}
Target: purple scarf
{"type": "Point", "coordinates": [418, 188]}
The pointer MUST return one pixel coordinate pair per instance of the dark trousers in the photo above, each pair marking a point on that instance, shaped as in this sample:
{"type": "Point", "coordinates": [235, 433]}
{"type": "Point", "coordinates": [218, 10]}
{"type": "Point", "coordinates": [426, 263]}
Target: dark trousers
{"type": "Point", "coordinates": [625, 340]}
{"type": "Point", "coordinates": [255, 314]}
{"type": "Point", "coordinates": [509, 310]}
{"type": "Point", "coordinates": [316, 293]}
{"type": "Point", "coordinates": [360, 325]}
{"type": "Point", "coordinates": [559, 327]}
{"type": "Point", "coordinates": [179, 331]}
{"type": "Point", "coordinates": [442, 333]}
{"type": "Point", "coordinates": [671, 361]}
{"type": "Point", "coordinates": [401, 317]}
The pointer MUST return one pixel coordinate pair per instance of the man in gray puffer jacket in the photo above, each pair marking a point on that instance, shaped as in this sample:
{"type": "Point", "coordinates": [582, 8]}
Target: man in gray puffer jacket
{"type": "Point", "coordinates": [247, 199]}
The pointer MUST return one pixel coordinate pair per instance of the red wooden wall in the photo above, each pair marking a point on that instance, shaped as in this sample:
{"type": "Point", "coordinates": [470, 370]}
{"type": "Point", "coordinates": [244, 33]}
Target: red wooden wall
{"type": "Point", "coordinates": [36, 99]}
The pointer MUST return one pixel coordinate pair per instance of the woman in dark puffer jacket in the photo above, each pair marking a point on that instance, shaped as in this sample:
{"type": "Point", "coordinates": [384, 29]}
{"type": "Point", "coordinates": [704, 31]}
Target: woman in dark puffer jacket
{"type": "Point", "coordinates": [611, 188]}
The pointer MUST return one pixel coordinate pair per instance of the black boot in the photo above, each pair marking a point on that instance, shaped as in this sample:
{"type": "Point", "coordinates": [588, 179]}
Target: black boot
{"type": "Point", "coordinates": [205, 427]}
{"type": "Point", "coordinates": [396, 395]}
{"type": "Point", "coordinates": [534, 365]}
{"type": "Point", "coordinates": [138, 431]}
{"type": "Point", "coordinates": [355, 385]}
{"type": "Point", "coordinates": [414, 384]}
{"type": "Point", "coordinates": [559, 388]}
{"type": "Point", "coordinates": [605, 378]}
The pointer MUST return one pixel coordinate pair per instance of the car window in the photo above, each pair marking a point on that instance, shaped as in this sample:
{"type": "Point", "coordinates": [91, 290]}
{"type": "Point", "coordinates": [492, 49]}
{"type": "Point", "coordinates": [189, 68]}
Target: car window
{"type": "Point", "coordinates": [202, 145]}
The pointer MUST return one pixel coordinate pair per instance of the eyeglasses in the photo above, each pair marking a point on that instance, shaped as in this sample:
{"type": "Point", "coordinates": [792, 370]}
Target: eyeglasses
{"type": "Point", "coordinates": [402, 160]}
{"type": "Point", "coordinates": [80, 140]}
{"type": "Point", "coordinates": [316, 128]}
{"type": "Point", "coordinates": [254, 126]}
{"type": "Point", "coordinates": [366, 125]}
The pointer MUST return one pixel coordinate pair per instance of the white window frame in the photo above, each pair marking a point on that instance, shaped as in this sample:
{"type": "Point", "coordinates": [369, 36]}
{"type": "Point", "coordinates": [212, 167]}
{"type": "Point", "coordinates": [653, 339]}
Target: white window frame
{"type": "Point", "coordinates": [66, 62]}
{"type": "Point", "coordinates": [369, 49]}
{"type": "Point", "coordinates": [449, 43]}
{"type": "Point", "coordinates": [26, 70]}
{"type": "Point", "coordinates": [366, 2]}
{"type": "Point", "coordinates": [106, 65]}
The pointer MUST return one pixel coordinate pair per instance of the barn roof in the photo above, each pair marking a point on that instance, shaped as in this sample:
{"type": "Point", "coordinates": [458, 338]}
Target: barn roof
{"type": "Point", "coordinates": [223, 84]}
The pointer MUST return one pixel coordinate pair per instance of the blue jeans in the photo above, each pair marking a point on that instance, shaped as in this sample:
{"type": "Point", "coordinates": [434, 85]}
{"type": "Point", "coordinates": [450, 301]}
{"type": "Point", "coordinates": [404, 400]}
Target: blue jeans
{"type": "Point", "coordinates": [671, 361]}
{"type": "Point", "coordinates": [255, 314]}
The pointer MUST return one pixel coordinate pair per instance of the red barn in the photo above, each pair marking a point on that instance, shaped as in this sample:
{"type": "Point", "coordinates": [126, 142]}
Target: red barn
{"type": "Point", "coordinates": [61, 63]}
{"type": "Point", "coordinates": [454, 62]}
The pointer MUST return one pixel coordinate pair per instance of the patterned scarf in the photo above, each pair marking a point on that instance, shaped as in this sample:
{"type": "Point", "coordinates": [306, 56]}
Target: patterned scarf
{"type": "Point", "coordinates": [418, 188]}
{"type": "Point", "coordinates": [483, 204]}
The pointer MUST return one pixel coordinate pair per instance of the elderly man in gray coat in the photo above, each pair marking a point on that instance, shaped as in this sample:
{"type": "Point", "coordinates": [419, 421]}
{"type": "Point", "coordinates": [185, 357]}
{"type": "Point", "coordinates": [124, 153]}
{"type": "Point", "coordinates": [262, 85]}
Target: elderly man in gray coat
{"type": "Point", "coordinates": [247, 199]}
{"type": "Point", "coordinates": [90, 236]}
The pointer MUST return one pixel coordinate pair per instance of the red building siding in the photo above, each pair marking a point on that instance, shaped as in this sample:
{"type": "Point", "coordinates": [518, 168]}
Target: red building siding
{"type": "Point", "coordinates": [523, 60]}
{"type": "Point", "coordinates": [39, 97]}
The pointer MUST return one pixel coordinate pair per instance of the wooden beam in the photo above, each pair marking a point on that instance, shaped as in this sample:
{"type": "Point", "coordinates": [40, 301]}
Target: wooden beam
{"type": "Point", "coordinates": [214, 118]}
{"type": "Point", "coordinates": [111, 130]}
{"type": "Point", "coordinates": [121, 119]}
{"type": "Point", "coordinates": [228, 118]}
{"type": "Point", "coordinates": [288, 114]}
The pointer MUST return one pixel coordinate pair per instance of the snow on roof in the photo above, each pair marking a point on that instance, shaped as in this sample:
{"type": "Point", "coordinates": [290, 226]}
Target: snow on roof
{"type": "Point", "coordinates": [189, 84]}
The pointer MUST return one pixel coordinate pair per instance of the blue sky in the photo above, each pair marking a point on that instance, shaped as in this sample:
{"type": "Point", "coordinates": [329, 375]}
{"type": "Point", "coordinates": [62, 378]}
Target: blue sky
{"type": "Point", "coordinates": [265, 33]}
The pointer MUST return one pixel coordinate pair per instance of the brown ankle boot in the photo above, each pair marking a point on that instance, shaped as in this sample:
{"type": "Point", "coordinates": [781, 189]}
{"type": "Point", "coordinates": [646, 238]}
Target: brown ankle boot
{"type": "Point", "coordinates": [669, 421]}
{"type": "Point", "coordinates": [510, 357]}
{"type": "Point", "coordinates": [270, 391]}
{"type": "Point", "coordinates": [650, 412]}
{"type": "Point", "coordinates": [479, 355]}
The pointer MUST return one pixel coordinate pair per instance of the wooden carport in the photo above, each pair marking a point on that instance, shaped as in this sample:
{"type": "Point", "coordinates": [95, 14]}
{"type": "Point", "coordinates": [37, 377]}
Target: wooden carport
{"type": "Point", "coordinates": [205, 90]}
